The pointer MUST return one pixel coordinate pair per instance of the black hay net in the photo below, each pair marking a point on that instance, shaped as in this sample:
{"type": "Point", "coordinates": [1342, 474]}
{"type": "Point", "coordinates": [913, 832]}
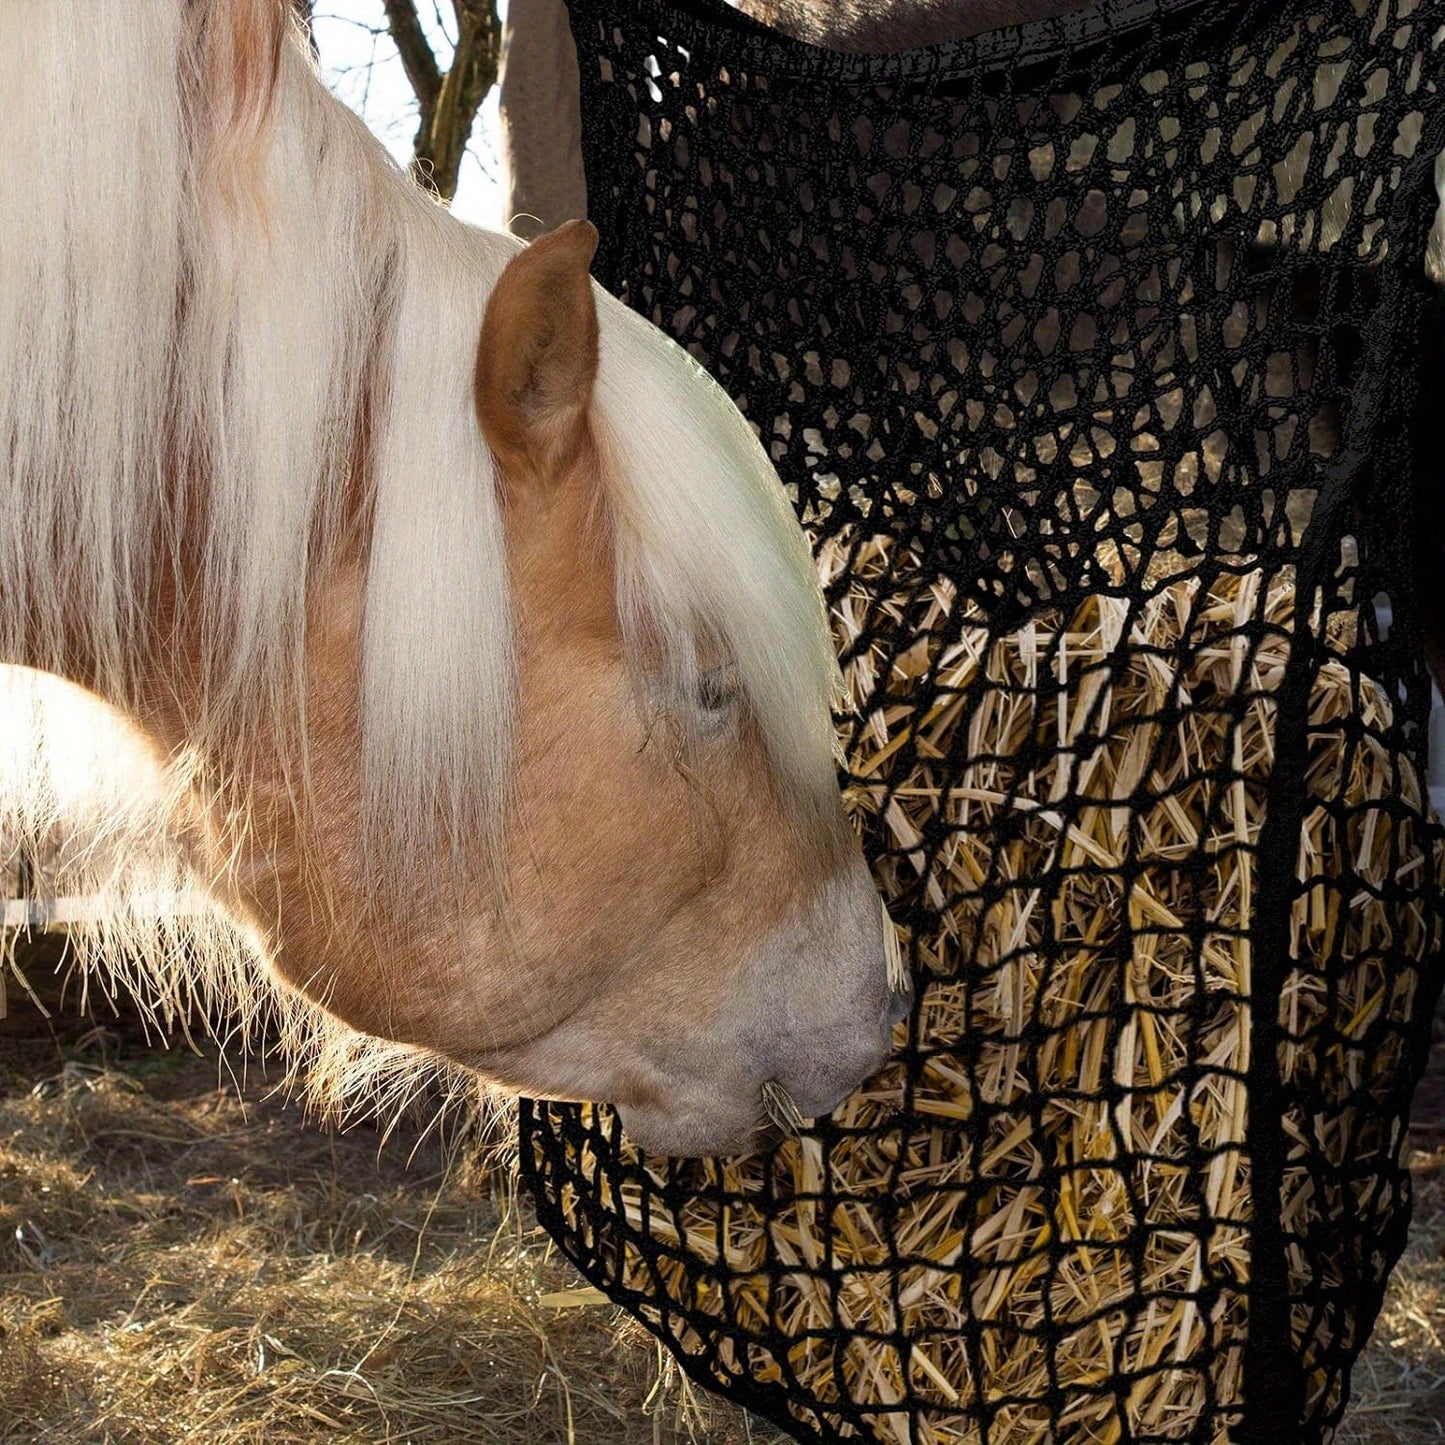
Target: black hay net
{"type": "Point", "coordinates": [1097, 356]}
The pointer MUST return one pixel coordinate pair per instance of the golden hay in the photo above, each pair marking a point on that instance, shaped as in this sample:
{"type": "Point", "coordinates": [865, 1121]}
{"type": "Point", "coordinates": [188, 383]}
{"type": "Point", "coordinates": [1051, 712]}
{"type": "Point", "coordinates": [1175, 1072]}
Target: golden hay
{"type": "Point", "coordinates": [187, 1260]}
{"type": "Point", "coordinates": [1116, 1068]}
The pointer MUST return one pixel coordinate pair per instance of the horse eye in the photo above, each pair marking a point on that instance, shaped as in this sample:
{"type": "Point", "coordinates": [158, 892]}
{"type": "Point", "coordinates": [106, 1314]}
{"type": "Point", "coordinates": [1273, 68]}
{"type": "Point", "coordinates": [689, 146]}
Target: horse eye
{"type": "Point", "coordinates": [717, 692]}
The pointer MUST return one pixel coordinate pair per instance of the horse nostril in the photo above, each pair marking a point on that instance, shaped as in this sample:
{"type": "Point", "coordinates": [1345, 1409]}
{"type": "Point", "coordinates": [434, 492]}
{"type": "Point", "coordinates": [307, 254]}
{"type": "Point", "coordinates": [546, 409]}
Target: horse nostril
{"type": "Point", "coordinates": [901, 1004]}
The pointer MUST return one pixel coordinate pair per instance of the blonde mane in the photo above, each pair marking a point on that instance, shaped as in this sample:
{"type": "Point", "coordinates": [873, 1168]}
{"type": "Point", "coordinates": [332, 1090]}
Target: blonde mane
{"type": "Point", "coordinates": [239, 344]}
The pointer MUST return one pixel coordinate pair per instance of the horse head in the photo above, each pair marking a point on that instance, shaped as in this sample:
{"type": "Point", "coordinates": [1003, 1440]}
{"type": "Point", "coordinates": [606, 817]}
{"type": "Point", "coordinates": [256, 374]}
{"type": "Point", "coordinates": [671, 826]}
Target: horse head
{"type": "Point", "coordinates": [494, 650]}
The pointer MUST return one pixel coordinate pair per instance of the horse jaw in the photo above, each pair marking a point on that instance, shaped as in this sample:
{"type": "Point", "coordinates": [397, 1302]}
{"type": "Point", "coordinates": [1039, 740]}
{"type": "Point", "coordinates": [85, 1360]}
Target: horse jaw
{"type": "Point", "coordinates": [684, 1052]}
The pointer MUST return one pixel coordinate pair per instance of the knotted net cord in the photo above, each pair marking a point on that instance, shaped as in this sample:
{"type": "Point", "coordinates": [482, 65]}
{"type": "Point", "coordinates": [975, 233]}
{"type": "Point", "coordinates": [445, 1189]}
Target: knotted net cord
{"type": "Point", "coordinates": [1098, 357]}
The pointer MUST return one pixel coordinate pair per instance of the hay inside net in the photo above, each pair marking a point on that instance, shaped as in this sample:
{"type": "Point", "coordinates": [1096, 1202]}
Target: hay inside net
{"type": "Point", "coordinates": [1047, 1222]}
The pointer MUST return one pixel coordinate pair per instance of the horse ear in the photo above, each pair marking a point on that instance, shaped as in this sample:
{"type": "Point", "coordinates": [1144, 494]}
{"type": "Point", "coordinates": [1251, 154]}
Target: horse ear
{"type": "Point", "coordinates": [538, 355]}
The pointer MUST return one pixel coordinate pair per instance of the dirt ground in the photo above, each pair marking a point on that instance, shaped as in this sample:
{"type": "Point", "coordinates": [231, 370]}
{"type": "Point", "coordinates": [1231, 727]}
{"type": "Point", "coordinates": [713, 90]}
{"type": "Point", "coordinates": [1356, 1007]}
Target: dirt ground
{"type": "Point", "coordinates": [184, 1258]}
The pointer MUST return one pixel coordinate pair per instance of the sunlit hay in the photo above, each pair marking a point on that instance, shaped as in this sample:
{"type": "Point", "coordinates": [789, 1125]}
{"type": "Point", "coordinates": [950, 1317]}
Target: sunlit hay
{"type": "Point", "coordinates": [112, 841]}
{"type": "Point", "coordinates": [779, 1106]}
{"type": "Point", "coordinates": [184, 1265]}
{"type": "Point", "coordinates": [893, 958]}
{"type": "Point", "coordinates": [1118, 1070]}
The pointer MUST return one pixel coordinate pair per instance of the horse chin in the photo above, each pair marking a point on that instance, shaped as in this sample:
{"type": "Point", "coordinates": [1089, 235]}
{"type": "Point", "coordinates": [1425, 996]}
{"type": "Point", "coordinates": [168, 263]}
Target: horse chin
{"type": "Point", "coordinates": [686, 1134]}
{"type": "Point", "coordinates": [685, 1055]}
{"type": "Point", "coordinates": [693, 1117]}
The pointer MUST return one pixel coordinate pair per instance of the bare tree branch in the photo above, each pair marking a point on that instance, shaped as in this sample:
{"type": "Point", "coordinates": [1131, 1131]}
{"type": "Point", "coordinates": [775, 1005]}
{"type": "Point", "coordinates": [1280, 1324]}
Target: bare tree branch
{"type": "Point", "coordinates": [416, 54]}
{"type": "Point", "coordinates": [448, 102]}
{"type": "Point", "coordinates": [473, 72]}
